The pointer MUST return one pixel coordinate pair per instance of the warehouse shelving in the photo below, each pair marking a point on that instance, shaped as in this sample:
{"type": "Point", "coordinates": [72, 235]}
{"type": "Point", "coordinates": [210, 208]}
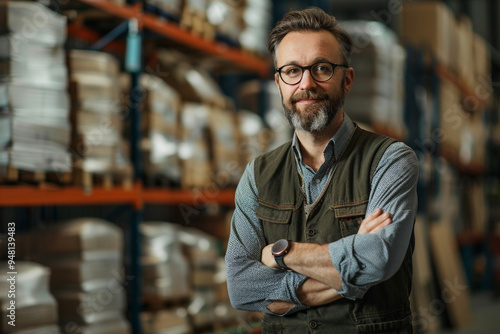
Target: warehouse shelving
{"type": "Point", "coordinates": [464, 87]}
{"type": "Point", "coordinates": [174, 32]}
{"type": "Point", "coordinates": [137, 195]}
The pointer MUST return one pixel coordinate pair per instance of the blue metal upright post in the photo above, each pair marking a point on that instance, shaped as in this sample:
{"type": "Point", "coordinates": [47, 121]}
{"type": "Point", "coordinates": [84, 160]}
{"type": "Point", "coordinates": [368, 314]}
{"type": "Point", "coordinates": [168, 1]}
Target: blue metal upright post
{"type": "Point", "coordinates": [133, 65]}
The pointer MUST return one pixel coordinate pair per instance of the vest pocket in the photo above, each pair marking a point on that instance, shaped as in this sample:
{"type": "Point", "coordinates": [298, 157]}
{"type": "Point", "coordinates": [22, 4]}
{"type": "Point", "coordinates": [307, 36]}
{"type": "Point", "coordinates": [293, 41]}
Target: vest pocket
{"type": "Point", "coordinates": [395, 320]}
{"type": "Point", "coordinates": [272, 326]}
{"type": "Point", "coordinates": [350, 216]}
{"type": "Point", "coordinates": [275, 221]}
{"type": "Point", "coordinates": [402, 326]}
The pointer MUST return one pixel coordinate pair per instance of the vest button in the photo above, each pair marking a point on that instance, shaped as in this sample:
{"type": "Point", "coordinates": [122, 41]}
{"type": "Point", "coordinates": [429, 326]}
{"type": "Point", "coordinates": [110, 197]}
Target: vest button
{"type": "Point", "coordinates": [311, 232]}
{"type": "Point", "coordinates": [313, 324]}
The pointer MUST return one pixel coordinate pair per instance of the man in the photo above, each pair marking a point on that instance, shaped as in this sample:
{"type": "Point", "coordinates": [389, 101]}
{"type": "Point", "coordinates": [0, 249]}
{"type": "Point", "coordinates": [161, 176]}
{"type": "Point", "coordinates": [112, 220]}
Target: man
{"type": "Point", "coordinates": [302, 248]}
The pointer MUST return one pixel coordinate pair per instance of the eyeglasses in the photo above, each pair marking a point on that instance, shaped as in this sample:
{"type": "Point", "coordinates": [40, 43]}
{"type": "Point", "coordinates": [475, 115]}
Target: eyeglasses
{"type": "Point", "coordinates": [321, 72]}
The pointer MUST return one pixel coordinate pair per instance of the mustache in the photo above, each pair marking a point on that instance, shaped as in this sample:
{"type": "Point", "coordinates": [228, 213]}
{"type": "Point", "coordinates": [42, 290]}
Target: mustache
{"type": "Point", "coordinates": [308, 95]}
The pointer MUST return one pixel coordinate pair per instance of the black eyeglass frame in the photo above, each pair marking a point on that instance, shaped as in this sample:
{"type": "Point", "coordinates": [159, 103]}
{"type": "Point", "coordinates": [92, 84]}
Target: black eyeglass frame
{"type": "Point", "coordinates": [304, 68]}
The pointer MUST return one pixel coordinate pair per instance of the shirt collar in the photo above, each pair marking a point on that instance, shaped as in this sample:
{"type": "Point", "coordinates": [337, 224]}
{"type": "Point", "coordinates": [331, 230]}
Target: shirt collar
{"type": "Point", "coordinates": [338, 141]}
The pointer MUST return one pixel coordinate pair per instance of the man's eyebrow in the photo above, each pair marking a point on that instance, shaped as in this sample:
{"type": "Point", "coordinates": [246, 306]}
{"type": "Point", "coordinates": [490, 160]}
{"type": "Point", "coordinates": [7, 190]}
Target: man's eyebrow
{"type": "Point", "coordinates": [316, 60]}
{"type": "Point", "coordinates": [293, 62]}
{"type": "Point", "coordinates": [321, 59]}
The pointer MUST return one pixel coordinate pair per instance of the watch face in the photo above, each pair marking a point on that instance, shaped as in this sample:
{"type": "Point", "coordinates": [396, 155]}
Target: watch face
{"type": "Point", "coordinates": [280, 247]}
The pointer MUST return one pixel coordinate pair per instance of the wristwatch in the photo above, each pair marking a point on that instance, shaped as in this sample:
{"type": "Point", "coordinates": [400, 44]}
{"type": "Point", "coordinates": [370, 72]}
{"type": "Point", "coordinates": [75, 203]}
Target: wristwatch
{"type": "Point", "coordinates": [279, 250]}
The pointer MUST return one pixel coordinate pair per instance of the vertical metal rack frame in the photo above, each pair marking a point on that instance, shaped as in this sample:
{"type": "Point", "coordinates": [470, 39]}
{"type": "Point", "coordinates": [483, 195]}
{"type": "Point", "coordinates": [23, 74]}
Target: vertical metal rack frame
{"type": "Point", "coordinates": [13, 196]}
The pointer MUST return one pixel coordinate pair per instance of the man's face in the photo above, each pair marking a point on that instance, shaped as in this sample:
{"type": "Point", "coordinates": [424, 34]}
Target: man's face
{"type": "Point", "coordinates": [310, 105]}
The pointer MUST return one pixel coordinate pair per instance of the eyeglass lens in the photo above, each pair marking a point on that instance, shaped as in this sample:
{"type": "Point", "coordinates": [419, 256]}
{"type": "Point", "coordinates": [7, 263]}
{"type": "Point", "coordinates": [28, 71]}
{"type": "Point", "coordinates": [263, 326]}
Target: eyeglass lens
{"type": "Point", "coordinates": [292, 74]}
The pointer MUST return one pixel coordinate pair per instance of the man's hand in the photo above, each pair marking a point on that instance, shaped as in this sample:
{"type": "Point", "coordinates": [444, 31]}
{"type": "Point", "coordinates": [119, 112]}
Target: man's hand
{"type": "Point", "coordinates": [375, 221]}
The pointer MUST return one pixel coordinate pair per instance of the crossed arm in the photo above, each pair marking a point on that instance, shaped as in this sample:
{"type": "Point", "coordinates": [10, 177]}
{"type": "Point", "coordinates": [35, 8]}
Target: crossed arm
{"type": "Point", "coordinates": [314, 261]}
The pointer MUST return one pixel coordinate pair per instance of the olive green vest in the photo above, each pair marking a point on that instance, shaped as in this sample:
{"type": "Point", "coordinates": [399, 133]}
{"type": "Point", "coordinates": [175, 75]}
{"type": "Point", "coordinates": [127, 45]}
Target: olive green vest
{"type": "Point", "coordinates": [282, 212]}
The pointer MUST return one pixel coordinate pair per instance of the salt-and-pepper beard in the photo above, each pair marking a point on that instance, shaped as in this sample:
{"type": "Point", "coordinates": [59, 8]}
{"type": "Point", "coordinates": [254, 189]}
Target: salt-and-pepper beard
{"type": "Point", "coordinates": [310, 120]}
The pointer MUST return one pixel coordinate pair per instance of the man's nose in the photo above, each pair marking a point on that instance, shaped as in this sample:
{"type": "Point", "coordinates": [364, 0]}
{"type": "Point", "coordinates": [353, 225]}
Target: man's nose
{"type": "Point", "coordinates": [307, 80]}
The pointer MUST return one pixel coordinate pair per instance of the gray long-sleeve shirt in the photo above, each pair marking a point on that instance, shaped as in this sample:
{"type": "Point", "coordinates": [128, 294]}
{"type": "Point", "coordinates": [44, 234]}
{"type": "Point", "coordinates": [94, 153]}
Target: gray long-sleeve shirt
{"type": "Point", "coordinates": [252, 286]}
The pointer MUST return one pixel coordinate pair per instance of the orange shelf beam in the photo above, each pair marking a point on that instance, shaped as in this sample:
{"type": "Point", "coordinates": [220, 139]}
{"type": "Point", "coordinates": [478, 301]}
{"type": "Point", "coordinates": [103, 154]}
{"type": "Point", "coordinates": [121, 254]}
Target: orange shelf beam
{"type": "Point", "coordinates": [137, 196]}
{"type": "Point", "coordinates": [465, 89]}
{"type": "Point", "coordinates": [189, 197]}
{"type": "Point", "coordinates": [125, 12]}
{"type": "Point", "coordinates": [91, 36]}
{"type": "Point", "coordinates": [34, 196]}
{"type": "Point", "coordinates": [185, 37]}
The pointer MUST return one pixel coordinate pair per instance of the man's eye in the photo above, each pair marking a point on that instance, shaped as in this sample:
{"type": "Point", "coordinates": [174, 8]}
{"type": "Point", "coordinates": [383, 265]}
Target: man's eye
{"type": "Point", "coordinates": [322, 68]}
{"type": "Point", "coordinates": [292, 71]}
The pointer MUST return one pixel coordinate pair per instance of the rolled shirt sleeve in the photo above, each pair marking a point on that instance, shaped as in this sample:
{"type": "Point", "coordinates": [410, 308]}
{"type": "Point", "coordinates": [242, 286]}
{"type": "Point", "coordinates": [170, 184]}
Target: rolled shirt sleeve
{"type": "Point", "coordinates": [364, 260]}
{"type": "Point", "coordinates": [251, 285]}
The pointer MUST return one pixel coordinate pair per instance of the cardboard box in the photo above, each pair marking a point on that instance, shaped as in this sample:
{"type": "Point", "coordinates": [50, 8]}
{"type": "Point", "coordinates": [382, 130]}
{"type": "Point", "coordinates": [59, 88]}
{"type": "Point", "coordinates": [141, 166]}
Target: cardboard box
{"type": "Point", "coordinates": [452, 121]}
{"type": "Point", "coordinates": [465, 52]}
{"type": "Point", "coordinates": [428, 25]}
{"type": "Point", "coordinates": [423, 292]}
{"type": "Point", "coordinates": [222, 123]}
{"type": "Point", "coordinates": [194, 150]}
{"type": "Point", "coordinates": [173, 321]}
{"type": "Point", "coordinates": [473, 143]}
{"type": "Point", "coordinates": [454, 293]}
{"type": "Point", "coordinates": [482, 70]}
{"type": "Point", "coordinates": [475, 210]}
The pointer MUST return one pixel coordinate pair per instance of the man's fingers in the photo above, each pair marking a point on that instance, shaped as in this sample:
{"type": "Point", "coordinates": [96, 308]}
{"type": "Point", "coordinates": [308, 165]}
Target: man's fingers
{"type": "Point", "coordinates": [377, 212]}
{"type": "Point", "coordinates": [382, 224]}
{"type": "Point", "coordinates": [375, 221]}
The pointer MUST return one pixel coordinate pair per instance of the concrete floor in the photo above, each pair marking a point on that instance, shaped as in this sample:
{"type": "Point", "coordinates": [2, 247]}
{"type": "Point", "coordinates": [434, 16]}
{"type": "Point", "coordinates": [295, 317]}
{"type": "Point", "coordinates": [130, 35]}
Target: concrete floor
{"type": "Point", "coordinates": [485, 315]}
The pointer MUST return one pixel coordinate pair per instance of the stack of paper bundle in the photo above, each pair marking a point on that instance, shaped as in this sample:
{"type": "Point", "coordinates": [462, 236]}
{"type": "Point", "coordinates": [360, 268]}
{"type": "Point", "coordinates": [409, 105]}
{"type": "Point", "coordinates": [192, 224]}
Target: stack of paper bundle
{"type": "Point", "coordinates": [257, 17]}
{"type": "Point", "coordinates": [160, 129]}
{"type": "Point", "coordinates": [165, 270]}
{"type": "Point", "coordinates": [99, 117]}
{"type": "Point", "coordinates": [85, 256]}
{"type": "Point", "coordinates": [34, 104]}
{"type": "Point", "coordinates": [25, 299]}
{"type": "Point", "coordinates": [377, 96]}
{"type": "Point", "coordinates": [203, 255]}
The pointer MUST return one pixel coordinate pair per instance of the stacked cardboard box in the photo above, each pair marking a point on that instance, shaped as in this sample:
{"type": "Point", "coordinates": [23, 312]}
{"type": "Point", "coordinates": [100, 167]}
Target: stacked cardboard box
{"type": "Point", "coordinates": [263, 98]}
{"type": "Point", "coordinates": [194, 150]}
{"type": "Point", "coordinates": [482, 85]}
{"type": "Point", "coordinates": [36, 130]}
{"type": "Point", "coordinates": [202, 253]}
{"type": "Point", "coordinates": [223, 131]}
{"type": "Point", "coordinates": [257, 23]}
{"type": "Point", "coordinates": [226, 17]}
{"type": "Point", "coordinates": [166, 321]}
{"type": "Point", "coordinates": [166, 286]}
{"type": "Point", "coordinates": [207, 134]}
{"type": "Point", "coordinates": [423, 291]}
{"type": "Point", "coordinates": [160, 130]}
{"type": "Point", "coordinates": [165, 270]}
{"type": "Point", "coordinates": [98, 116]}
{"type": "Point", "coordinates": [463, 135]}
{"type": "Point", "coordinates": [27, 304]}
{"type": "Point", "coordinates": [377, 95]}
{"type": "Point", "coordinates": [194, 17]}
{"type": "Point", "coordinates": [465, 51]}
{"type": "Point", "coordinates": [431, 25]}
{"type": "Point", "coordinates": [85, 257]}
{"type": "Point", "coordinates": [251, 140]}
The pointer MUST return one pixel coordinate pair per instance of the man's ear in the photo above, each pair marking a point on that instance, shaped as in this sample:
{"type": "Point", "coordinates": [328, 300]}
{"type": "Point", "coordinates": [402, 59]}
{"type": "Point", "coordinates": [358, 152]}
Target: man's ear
{"type": "Point", "coordinates": [348, 79]}
{"type": "Point", "coordinates": [277, 81]}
